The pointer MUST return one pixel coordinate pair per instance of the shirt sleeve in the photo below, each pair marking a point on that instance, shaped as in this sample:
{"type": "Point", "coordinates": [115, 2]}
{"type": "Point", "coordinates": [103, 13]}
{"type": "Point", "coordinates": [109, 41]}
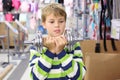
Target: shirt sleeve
{"type": "Point", "coordinates": [72, 63]}
{"type": "Point", "coordinates": [40, 64]}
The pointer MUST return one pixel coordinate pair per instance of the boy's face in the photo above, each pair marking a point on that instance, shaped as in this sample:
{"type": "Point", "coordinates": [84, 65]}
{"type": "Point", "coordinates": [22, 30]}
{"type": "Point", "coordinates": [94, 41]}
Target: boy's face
{"type": "Point", "coordinates": [55, 25]}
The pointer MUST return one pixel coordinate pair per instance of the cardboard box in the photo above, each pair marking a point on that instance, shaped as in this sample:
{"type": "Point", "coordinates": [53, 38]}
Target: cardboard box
{"type": "Point", "coordinates": [88, 46]}
{"type": "Point", "coordinates": [102, 66]}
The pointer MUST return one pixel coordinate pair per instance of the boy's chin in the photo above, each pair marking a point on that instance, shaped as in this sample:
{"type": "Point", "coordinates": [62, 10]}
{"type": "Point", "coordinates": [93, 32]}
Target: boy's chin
{"type": "Point", "coordinates": [56, 35]}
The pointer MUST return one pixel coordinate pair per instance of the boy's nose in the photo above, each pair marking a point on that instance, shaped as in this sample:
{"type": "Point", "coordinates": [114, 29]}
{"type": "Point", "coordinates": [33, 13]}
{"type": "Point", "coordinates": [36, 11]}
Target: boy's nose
{"type": "Point", "coordinates": [56, 24]}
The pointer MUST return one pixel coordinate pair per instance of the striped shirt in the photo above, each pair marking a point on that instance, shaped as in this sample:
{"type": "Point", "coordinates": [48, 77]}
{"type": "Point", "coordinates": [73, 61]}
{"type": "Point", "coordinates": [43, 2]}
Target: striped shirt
{"type": "Point", "coordinates": [67, 65]}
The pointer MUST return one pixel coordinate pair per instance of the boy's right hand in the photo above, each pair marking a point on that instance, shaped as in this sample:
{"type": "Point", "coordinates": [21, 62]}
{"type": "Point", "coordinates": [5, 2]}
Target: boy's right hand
{"type": "Point", "coordinates": [49, 42]}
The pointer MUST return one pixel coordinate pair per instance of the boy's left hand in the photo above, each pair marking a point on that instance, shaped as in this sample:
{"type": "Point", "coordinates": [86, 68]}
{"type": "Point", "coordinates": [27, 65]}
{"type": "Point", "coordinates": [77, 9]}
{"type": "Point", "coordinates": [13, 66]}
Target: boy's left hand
{"type": "Point", "coordinates": [60, 42]}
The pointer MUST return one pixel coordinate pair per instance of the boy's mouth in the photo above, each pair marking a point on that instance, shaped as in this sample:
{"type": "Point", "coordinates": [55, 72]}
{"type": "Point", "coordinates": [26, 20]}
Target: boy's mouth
{"type": "Point", "coordinates": [57, 31]}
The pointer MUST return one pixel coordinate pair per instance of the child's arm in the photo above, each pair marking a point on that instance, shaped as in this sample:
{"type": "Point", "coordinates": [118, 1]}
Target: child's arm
{"type": "Point", "coordinates": [40, 64]}
{"type": "Point", "coordinates": [72, 63]}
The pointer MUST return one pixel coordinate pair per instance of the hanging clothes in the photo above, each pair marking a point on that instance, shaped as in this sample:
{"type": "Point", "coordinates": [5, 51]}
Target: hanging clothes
{"type": "Point", "coordinates": [25, 6]}
{"type": "Point", "coordinates": [7, 5]}
{"type": "Point", "coordinates": [116, 9]}
{"type": "Point", "coordinates": [105, 22]}
{"type": "Point", "coordinates": [69, 7]}
{"type": "Point", "coordinates": [94, 21]}
{"type": "Point", "coordinates": [2, 18]}
{"type": "Point", "coordinates": [33, 23]}
{"type": "Point", "coordinates": [41, 2]}
{"type": "Point", "coordinates": [16, 4]}
{"type": "Point", "coordinates": [23, 17]}
{"type": "Point", "coordinates": [115, 29]}
{"type": "Point", "coordinates": [9, 17]}
{"type": "Point", "coordinates": [33, 7]}
{"type": "Point", "coordinates": [1, 6]}
{"type": "Point", "coordinates": [47, 1]}
{"type": "Point", "coordinates": [61, 1]}
{"type": "Point", "coordinates": [16, 16]}
{"type": "Point", "coordinates": [115, 22]}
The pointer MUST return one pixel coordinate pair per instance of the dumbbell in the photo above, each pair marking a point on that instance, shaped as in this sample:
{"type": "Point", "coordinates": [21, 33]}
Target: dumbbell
{"type": "Point", "coordinates": [72, 37]}
{"type": "Point", "coordinates": [37, 41]}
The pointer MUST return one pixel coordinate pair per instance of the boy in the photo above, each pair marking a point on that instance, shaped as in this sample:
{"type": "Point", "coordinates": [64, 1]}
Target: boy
{"type": "Point", "coordinates": [55, 62]}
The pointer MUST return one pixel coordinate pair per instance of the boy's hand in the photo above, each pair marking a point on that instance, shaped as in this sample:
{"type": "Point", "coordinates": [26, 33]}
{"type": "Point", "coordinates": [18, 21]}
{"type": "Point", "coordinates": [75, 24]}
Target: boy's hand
{"type": "Point", "coordinates": [49, 42]}
{"type": "Point", "coordinates": [60, 42]}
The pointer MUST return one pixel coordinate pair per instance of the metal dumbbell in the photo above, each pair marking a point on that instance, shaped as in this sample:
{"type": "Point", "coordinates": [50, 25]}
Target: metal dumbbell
{"type": "Point", "coordinates": [37, 41]}
{"type": "Point", "coordinates": [71, 38]}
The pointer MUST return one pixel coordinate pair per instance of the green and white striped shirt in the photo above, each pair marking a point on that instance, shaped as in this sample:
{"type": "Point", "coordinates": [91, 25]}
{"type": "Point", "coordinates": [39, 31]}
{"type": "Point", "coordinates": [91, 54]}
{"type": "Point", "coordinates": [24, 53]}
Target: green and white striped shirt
{"type": "Point", "coordinates": [67, 65]}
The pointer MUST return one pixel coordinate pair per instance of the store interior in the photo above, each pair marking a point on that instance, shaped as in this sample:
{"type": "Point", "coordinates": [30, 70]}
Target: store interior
{"type": "Point", "coordinates": [94, 23]}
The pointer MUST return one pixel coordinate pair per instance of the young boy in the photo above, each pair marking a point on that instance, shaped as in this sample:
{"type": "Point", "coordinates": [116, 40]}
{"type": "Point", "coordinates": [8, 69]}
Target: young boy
{"type": "Point", "coordinates": [55, 62]}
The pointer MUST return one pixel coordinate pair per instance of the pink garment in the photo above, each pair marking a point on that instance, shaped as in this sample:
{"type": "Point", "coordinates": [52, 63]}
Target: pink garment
{"type": "Point", "coordinates": [33, 23]}
{"type": "Point", "coordinates": [0, 1]}
{"type": "Point", "coordinates": [9, 17]}
{"type": "Point", "coordinates": [41, 1]}
{"type": "Point", "coordinates": [25, 7]}
{"type": "Point", "coordinates": [16, 4]}
{"type": "Point", "coordinates": [1, 7]}
{"type": "Point", "coordinates": [33, 7]}
{"type": "Point", "coordinates": [38, 15]}
{"type": "Point", "coordinates": [68, 3]}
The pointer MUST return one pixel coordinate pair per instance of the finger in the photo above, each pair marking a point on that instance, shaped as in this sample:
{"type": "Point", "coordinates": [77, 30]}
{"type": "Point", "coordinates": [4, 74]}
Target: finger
{"type": "Point", "coordinates": [60, 41]}
{"type": "Point", "coordinates": [57, 41]}
{"type": "Point", "coordinates": [64, 39]}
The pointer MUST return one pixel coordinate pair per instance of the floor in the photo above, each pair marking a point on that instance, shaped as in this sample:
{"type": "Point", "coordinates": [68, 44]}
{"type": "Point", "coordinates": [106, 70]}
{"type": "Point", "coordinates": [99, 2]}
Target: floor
{"type": "Point", "coordinates": [20, 70]}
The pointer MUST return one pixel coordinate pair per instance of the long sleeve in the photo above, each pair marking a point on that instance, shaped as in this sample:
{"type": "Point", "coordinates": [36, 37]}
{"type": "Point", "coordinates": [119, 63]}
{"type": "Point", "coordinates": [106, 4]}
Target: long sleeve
{"type": "Point", "coordinates": [72, 63]}
{"type": "Point", "coordinates": [40, 64]}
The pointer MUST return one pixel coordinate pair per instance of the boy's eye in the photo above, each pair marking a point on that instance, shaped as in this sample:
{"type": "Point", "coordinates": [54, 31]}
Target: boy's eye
{"type": "Point", "coordinates": [61, 21]}
{"type": "Point", "coordinates": [51, 21]}
{"type": "Point", "coordinates": [58, 21]}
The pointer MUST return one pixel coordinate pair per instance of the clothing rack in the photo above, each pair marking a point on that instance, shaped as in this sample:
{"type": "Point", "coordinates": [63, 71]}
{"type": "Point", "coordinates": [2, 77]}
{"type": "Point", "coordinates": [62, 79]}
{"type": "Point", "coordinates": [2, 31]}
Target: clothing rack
{"type": "Point", "coordinates": [9, 27]}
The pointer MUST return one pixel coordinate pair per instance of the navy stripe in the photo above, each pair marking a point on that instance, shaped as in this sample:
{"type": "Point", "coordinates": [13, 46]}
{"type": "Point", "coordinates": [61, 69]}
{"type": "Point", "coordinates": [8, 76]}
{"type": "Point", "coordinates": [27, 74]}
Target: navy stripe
{"type": "Point", "coordinates": [76, 57]}
{"type": "Point", "coordinates": [61, 54]}
{"type": "Point", "coordinates": [78, 48]}
{"type": "Point", "coordinates": [56, 66]}
{"type": "Point", "coordinates": [32, 48]}
{"type": "Point", "coordinates": [32, 64]}
{"type": "Point", "coordinates": [63, 78]}
{"type": "Point", "coordinates": [33, 58]}
{"type": "Point", "coordinates": [43, 67]}
{"type": "Point", "coordinates": [70, 52]}
{"type": "Point", "coordinates": [33, 75]}
{"type": "Point", "coordinates": [77, 74]}
{"type": "Point", "coordinates": [49, 54]}
{"type": "Point", "coordinates": [84, 67]}
{"type": "Point", "coordinates": [68, 66]}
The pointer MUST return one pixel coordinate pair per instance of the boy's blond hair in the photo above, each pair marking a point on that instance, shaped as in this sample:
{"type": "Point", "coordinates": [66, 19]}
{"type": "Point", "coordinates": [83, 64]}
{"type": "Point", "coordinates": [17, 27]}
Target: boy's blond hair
{"type": "Point", "coordinates": [55, 9]}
